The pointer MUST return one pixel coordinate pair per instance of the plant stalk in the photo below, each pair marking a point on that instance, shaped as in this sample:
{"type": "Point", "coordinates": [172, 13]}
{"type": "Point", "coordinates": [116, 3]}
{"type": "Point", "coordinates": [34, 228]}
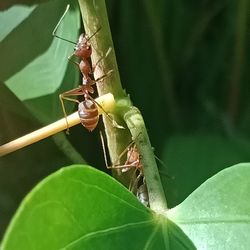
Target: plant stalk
{"type": "Point", "coordinates": [135, 123]}
{"type": "Point", "coordinates": [94, 16]}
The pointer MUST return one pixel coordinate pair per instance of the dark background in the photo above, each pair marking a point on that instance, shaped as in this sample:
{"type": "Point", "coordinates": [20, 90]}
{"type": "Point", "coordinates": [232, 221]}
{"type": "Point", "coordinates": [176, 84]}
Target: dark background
{"type": "Point", "coordinates": [184, 64]}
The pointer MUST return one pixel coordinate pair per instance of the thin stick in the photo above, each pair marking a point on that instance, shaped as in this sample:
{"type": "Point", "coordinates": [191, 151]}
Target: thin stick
{"type": "Point", "coordinates": [106, 101]}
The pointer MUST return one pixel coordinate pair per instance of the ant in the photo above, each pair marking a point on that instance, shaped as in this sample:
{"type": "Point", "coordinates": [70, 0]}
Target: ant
{"type": "Point", "coordinates": [88, 108]}
{"type": "Point", "coordinates": [133, 161]}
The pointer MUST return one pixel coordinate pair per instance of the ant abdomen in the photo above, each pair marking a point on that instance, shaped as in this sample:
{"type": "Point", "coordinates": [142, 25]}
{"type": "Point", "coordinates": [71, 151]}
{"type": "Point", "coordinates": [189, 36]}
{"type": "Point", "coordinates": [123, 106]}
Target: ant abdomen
{"type": "Point", "coordinates": [88, 113]}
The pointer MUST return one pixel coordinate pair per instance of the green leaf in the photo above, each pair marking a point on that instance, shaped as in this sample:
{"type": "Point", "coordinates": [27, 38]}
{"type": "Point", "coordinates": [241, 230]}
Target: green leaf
{"type": "Point", "coordinates": [82, 208]}
{"type": "Point", "coordinates": [34, 63]}
{"type": "Point", "coordinates": [192, 159]}
{"type": "Point", "coordinates": [217, 214]}
{"type": "Point", "coordinates": [13, 19]}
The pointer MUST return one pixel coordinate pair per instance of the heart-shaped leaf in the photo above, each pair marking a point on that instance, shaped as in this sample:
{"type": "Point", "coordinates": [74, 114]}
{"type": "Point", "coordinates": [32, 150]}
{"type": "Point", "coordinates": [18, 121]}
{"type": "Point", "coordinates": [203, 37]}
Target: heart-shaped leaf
{"type": "Point", "coordinates": [217, 214]}
{"type": "Point", "coordinates": [82, 208]}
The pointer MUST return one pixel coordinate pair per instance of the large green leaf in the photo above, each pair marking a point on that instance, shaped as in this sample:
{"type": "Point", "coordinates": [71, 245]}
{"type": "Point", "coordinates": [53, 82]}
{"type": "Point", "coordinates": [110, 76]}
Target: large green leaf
{"type": "Point", "coordinates": [34, 64]}
{"type": "Point", "coordinates": [217, 214]}
{"type": "Point", "coordinates": [81, 208]}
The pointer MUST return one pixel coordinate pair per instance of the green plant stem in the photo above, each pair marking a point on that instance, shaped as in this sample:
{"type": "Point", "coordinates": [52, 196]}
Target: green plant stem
{"type": "Point", "coordinates": [94, 17]}
{"type": "Point", "coordinates": [135, 123]}
{"type": "Point", "coordinates": [239, 59]}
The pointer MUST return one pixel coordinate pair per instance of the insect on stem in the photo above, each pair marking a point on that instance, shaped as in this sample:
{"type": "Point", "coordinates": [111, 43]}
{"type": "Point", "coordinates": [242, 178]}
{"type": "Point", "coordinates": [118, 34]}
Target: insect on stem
{"type": "Point", "coordinates": [132, 163]}
{"type": "Point", "coordinates": [88, 108]}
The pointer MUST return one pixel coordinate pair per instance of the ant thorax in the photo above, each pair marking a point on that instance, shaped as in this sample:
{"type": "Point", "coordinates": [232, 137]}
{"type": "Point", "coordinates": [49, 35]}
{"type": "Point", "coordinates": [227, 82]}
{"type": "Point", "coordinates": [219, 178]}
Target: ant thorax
{"type": "Point", "coordinates": [85, 67]}
{"type": "Point", "coordinates": [83, 47]}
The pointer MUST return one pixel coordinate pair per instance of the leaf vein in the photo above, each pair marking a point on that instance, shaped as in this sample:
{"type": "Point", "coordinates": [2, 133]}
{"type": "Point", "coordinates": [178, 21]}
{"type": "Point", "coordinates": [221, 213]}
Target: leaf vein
{"type": "Point", "coordinates": [107, 231]}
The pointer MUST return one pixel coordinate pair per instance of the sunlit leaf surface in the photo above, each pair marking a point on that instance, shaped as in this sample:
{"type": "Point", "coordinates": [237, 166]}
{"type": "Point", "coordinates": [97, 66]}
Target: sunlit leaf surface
{"type": "Point", "coordinates": [217, 214]}
{"type": "Point", "coordinates": [81, 208]}
{"type": "Point", "coordinates": [34, 64]}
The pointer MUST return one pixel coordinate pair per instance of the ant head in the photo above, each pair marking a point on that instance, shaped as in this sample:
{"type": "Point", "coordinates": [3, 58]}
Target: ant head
{"type": "Point", "coordinates": [83, 47]}
{"type": "Point", "coordinates": [133, 155]}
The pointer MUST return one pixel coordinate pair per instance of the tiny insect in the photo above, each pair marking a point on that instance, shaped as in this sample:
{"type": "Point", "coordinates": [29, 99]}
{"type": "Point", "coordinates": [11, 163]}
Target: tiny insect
{"type": "Point", "coordinates": [132, 162]}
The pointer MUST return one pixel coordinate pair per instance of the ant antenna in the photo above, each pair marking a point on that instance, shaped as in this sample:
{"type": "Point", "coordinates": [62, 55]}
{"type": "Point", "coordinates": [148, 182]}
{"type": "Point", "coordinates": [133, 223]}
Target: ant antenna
{"type": "Point", "coordinates": [165, 166]}
{"type": "Point", "coordinates": [94, 33]}
{"type": "Point", "coordinates": [160, 161]}
{"type": "Point", "coordinates": [58, 24]}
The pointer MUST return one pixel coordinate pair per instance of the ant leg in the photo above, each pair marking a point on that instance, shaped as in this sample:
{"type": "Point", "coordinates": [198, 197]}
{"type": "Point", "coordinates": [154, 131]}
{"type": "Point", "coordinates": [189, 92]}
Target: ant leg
{"type": "Point", "coordinates": [62, 98]}
{"type": "Point", "coordinates": [104, 149]}
{"type": "Point", "coordinates": [94, 33]}
{"type": "Point", "coordinates": [71, 60]}
{"type": "Point", "coordinates": [133, 186]}
{"type": "Point", "coordinates": [114, 123]}
{"type": "Point", "coordinates": [127, 166]}
{"type": "Point", "coordinates": [101, 78]}
{"type": "Point", "coordinates": [103, 57]}
{"type": "Point", "coordinates": [164, 165]}
{"type": "Point", "coordinates": [74, 92]}
{"type": "Point", "coordinates": [65, 96]}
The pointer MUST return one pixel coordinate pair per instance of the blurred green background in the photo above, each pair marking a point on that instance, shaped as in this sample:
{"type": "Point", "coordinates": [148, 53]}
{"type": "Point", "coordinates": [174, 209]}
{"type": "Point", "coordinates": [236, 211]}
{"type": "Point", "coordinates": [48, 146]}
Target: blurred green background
{"type": "Point", "coordinates": [184, 64]}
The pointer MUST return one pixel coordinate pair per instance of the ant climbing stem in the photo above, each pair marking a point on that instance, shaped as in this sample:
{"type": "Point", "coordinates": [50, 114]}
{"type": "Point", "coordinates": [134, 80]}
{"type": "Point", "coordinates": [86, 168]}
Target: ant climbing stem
{"type": "Point", "coordinates": [88, 108]}
{"type": "Point", "coordinates": [132, 162]}
{"type": "Point", "coordinates": [101, 58]}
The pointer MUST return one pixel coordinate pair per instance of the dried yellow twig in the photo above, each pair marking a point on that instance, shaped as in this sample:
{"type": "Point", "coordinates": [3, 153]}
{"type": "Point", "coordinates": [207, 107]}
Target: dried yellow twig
{"type": "Point", "coordinates": [107, 102]}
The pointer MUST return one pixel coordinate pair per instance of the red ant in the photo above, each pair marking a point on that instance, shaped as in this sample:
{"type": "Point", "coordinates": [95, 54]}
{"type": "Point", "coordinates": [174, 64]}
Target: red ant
{"type": "Point", "coordinates": [133, 161]}
{"type": "Point", "coordinates": [88, 108]}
